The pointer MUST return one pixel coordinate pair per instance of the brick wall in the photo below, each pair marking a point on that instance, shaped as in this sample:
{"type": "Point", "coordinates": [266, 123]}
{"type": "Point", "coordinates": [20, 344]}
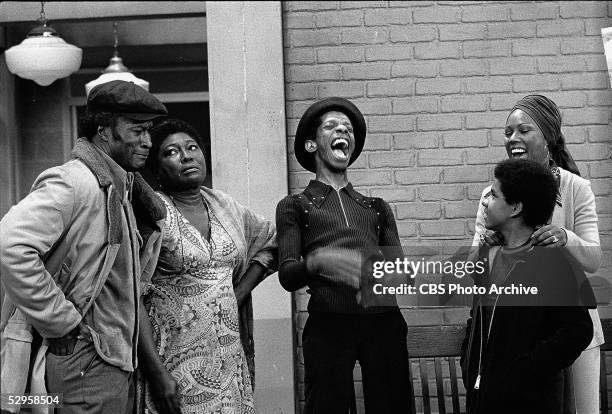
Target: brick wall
{"type": "Point", "coordinates": [435, 81]}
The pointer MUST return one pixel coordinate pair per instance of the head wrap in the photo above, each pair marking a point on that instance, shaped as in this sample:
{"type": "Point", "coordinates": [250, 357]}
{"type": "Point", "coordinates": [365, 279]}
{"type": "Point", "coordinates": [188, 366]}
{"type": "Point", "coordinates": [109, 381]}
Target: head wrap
{"type": "Point", "coordinates": [545, 113]}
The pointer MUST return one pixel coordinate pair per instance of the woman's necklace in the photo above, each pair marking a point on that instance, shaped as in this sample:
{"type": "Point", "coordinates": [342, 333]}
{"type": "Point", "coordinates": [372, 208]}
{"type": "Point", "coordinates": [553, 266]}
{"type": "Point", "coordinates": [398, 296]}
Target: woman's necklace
{"type": "Point", "coordinates": [198, 215]}
{"type": "Point", "coordinates": [179, 215]}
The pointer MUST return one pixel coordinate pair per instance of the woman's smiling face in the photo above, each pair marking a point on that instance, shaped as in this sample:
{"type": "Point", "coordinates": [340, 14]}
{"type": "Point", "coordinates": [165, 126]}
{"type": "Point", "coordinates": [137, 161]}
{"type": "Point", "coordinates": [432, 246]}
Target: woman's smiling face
{"type": "Point", "coordinates": [524, 139]}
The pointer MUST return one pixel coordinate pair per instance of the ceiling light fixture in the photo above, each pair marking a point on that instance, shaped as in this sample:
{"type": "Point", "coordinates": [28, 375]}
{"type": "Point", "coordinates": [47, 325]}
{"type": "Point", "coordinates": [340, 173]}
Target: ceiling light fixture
{"type": "Point", "coordinates": [43, 56]}
{"type": "Point", "coordinates": [116, 70]}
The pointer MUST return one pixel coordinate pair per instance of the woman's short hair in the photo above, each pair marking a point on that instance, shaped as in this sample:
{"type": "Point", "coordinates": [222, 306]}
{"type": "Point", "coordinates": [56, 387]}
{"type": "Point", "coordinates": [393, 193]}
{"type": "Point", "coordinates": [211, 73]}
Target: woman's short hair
{"type": "Point", "coordinates": [163, 130]}
{"type": "Point", "coordinates": [531, 184]}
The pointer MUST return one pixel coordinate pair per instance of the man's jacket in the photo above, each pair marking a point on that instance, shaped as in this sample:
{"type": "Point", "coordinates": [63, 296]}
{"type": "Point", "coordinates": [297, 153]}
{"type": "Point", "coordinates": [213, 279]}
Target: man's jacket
{"type": "Point", "coordinates": [61, 241]}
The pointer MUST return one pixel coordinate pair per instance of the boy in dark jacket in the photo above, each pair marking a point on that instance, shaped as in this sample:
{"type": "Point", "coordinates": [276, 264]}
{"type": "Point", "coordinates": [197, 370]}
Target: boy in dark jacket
{"type": "Point", "coordinates": [531, 321]}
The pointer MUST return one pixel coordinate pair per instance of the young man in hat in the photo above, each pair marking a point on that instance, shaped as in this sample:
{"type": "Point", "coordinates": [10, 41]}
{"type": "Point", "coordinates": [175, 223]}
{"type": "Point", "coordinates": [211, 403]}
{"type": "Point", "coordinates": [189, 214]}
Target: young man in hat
{"type": "Point", "coordinates": [72, 259]}
{"type": "Point", "coordinates": [323, 233]}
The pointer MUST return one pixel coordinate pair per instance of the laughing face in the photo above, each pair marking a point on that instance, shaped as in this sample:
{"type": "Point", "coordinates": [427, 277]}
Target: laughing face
{"type": "Point", "coordinates": [335, 141]}
{"type": "Point", "coordinates": [524, 138]}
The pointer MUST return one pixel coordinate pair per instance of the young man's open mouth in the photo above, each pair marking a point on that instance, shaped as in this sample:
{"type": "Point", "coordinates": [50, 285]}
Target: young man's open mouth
{"type": "Point", "coordinates": [340, 148]}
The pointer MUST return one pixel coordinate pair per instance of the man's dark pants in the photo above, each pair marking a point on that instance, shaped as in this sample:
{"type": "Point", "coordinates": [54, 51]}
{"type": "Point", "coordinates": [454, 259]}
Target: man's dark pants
{"type": "Point", "coordinates": [331, 345]}
{"type": "Point", "coordinates": [87, 383]}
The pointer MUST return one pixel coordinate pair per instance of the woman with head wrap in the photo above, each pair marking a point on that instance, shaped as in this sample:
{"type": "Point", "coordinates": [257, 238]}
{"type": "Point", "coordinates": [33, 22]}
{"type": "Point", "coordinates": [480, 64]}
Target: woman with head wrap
{"type": "Point", "coordinates": [533, 131]}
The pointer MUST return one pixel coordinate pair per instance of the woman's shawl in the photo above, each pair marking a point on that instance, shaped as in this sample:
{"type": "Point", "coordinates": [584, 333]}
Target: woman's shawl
{"type": "Point", "coordinates": [255, 239]}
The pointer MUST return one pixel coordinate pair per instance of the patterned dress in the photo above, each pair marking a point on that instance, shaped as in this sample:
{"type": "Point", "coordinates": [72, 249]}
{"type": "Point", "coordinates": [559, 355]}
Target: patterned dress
{"type": "Point", "coordinates": [194, 314]}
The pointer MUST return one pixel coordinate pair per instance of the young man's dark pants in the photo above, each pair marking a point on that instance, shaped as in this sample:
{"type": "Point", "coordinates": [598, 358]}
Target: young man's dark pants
{"type": "Point", "coordinates": [87, 383]}
{"type": "Point", "coordinates": [331, 345]}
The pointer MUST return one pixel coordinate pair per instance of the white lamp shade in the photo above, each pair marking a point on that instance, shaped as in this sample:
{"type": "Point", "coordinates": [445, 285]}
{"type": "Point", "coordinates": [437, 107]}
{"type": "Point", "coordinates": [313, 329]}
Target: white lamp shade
{"type": "Point", "coordinates": [111, 76]}
{"type": "Point", "coordinates": [43, 59]}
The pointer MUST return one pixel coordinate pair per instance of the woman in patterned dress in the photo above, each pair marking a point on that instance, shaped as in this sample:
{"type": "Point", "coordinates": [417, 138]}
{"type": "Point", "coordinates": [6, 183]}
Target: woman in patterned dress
{"type": "Point", "coordinates": [196, 346]}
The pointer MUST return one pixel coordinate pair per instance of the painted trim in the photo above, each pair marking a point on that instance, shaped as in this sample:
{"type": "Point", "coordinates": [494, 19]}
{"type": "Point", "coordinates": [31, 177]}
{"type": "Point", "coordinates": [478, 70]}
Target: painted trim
{"type": "Point", "coordinates": [164, 97]}
{"type": "Point", "coordinates": [10, 137]}
{"type": "Point", "coordinates": [147, 69]}
{"type": "Point", "coordinates": [183, 97]}
{"type": "Point", "coordinates": [67, 121]}
{"type": "Point", "coordinates": [249, 156]}
{"type": "Point", "coordinates": [23, 11]}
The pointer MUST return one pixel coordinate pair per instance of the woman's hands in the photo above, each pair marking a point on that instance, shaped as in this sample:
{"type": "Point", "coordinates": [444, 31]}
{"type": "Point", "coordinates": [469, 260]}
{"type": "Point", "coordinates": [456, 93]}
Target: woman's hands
{"type": "Point", "coordinates": [165, 392]}
{"type": "Point", "coordinates": [549, 236]}
{"type": "Point", "coordinates": [254, 274]}
{"type": "Point", "coordinates": [491, 238]}
{"type": "Point", "coordinates": [241, 292]}
{"type": "Point", "coordinates": [164, 389]}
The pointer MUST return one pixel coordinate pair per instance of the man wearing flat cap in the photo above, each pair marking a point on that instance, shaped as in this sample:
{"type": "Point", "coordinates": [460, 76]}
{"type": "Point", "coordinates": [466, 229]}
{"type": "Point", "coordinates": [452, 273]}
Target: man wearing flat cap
{"type": "Point", "coordinates": [324, 233]}
{"type": "Point", "coordinates": [72, 259]}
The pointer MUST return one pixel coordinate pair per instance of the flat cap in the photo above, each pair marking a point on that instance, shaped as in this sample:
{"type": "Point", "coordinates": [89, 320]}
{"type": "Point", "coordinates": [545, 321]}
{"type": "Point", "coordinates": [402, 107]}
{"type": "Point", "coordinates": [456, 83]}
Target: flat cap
{"type": "Point", "coordinates": [126, 99]}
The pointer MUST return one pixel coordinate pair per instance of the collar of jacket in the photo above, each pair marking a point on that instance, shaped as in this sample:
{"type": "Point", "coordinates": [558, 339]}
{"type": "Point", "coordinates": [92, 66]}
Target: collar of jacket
{"type": "Point", "coordinates": [317, 192]}
{"type": "Point", "coordinates": [147, 206]}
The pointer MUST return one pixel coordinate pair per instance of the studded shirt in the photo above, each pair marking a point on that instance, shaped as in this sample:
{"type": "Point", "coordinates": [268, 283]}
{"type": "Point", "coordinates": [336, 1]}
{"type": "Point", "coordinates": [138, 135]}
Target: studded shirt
{"type": "Point", "coordinates": [324, 217]}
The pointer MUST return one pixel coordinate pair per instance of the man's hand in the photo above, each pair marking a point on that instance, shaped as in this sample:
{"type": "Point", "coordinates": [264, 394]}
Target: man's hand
{"type": "Point", "coordinates": [166, 393]}
{"type": "Point", "coordinates": [336, 265]}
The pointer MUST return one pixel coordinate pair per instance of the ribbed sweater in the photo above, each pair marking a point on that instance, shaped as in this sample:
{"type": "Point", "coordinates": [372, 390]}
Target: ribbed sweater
{"type": "Point", "coordinates": [323, 217]}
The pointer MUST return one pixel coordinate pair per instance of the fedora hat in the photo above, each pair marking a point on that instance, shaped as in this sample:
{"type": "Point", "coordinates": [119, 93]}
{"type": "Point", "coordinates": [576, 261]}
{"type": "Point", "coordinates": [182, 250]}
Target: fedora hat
{"type": "Point", "coordinates": [309, 122]}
